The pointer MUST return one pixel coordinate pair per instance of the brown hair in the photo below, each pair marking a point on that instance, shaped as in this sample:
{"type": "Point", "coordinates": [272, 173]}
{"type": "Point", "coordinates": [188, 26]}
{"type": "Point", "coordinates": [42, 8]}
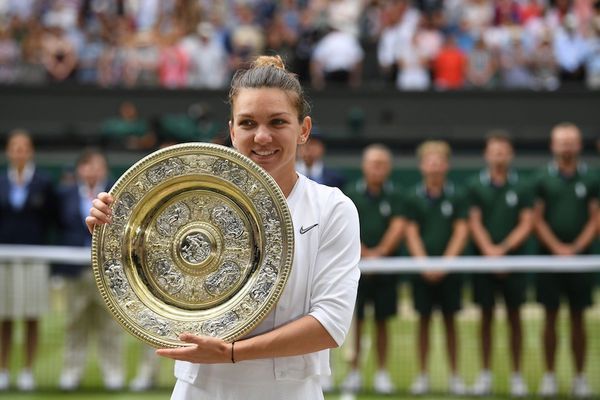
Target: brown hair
{"type": "Point", "coordinates": [19, 132]}
{"type": "Point", "coordinates": [270, 72]}
{"type": "Point", "coordinates": [498, 135]}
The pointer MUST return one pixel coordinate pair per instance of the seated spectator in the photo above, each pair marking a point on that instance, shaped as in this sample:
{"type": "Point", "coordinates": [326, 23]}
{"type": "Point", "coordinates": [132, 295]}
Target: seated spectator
{"type": "Point", "coordinates": [413, 72]}
{"type": "Point", "coordinates": [482, 66]}
{"type": "Point", "coordinates": [59, 55]}
{"type": "Point", "coordinates": [173, 63]}
{"type": "Point", "coordinates": [128, 130]}
{"type": "Point", "coordinates": [208, 59]}
{"type": "Point", "coordinates": [515, 66]}
{"type": "Point", "coordinates": [570, 50]}
{"type": "Point", "coordinates": [544, 67]}
{"type": "Point", "coordinates": [337, 59]}
{"type": "Point", "coordinates": [449, 67]}
{"type": "Point", "coordinates": [31, 67]}
{"type": "Point", "coordinates": [592, 62]}
{"type": "Point", "coordinates": [89, 57]}
{"type": "Point", "coordinates": [10, 55]}
{"type": "Point", "coordinates": [247, 37]}
{"type": "Point", "coordinates": [141, 60]}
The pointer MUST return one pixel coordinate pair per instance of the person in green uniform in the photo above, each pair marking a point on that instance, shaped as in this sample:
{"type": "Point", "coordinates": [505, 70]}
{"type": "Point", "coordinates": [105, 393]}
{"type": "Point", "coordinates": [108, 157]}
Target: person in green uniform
{"type": "Point", "coordinates": [382, 225]}
{"type": "Point", "coordinates": [565, 222]}
{"type": "Point", "coordinates": [500, 221]}
{"type": "Point", "coordinates": [437, 226]}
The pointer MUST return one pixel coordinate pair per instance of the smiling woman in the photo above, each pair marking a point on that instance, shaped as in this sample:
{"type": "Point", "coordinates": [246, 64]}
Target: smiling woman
{"type": "Point", "coordinates": [288, 352]}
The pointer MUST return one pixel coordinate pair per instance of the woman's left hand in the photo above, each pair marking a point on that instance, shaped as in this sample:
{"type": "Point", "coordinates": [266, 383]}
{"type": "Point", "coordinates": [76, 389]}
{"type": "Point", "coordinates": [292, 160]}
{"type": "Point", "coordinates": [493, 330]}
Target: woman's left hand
{"type": "Point", "coordinates": [203, 350]}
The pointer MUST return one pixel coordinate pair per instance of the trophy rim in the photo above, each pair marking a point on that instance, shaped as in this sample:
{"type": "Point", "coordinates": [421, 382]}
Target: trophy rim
{"type": "Point", "coordinates": [280, 203]}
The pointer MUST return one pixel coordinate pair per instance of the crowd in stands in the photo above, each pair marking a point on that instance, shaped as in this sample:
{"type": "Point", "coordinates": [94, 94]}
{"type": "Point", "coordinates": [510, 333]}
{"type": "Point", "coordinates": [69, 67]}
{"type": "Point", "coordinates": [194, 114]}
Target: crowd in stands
{"type": "Point", "coordinates": [414, 45]}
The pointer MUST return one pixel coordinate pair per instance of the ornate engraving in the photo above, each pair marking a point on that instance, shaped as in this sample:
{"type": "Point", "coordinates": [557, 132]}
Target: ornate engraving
{"type": "Point", "coordinates": [222, 280]}
{"type": "Point", "coordinates": [195, 248]}
{"type": "Point", "coordinates": [116, 278]}
{"type": "Point", "coordinates": [168, 168]}
{"type": "Point", "coordinates": [170, 279]}
{"type": "Point", "coordinates": [124, 205]}
{"type": "Point", "coordinates": [172, 218]}
{"type": "Point", "coordinates": [218, 326]}
{"type": "Point", "coordinates": [228, 221]}
{"type": "Point", "coordinates": [152, 323]}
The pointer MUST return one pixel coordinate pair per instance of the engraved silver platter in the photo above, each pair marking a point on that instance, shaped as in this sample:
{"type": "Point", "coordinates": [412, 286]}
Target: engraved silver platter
{"type": "Point", "coordinates": [201, 241]}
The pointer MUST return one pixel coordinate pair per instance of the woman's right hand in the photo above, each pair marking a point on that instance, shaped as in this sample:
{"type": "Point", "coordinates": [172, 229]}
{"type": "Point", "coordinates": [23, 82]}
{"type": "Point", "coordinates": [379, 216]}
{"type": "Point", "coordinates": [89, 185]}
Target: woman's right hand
{"type": "Point", "coordinates": [100, 212]}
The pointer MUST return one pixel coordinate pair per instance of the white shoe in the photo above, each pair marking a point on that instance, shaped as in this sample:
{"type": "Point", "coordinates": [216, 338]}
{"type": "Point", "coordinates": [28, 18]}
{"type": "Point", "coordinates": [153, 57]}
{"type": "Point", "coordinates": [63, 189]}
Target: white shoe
{"type": "Point", "coordinates": [114, 381]}
{"type": "Point", "coordinates": [25, 381]}
{"type": "Point", "coordinates": [420, 386]}
{"type": "Point", "coordinates": [483, 384]}
{"type": "Point", "coordinates": [4, 380]}
{"type": "Point", "coordinates": [383, 383]}
{"type": "Point", "coordinates": [68, 381]}
{"type": "Point", "coordinates": [327, 383]}
{"type": "Point", "coordinates": [518, 388]}
{"type": "Point", "coordinates": [456, 386]}
{"type": "Point", "coordinates": [548, 387]}
{"type": "Point", "coordinates": [140, 383]}
{"type": "Point", "coordinates": [581, 388]}
{"type": "Point", "coordinates": [353, 382]}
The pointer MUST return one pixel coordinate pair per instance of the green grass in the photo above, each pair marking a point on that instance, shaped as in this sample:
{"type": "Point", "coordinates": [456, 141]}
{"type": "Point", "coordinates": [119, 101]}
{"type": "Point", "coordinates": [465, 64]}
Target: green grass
{"type": "Point", "coordinates": [403, 365]}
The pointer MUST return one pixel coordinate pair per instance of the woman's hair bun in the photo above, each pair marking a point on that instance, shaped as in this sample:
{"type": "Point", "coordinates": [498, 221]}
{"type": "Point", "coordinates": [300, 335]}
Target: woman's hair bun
{"type": "Point", "coordinates": [268, 61]}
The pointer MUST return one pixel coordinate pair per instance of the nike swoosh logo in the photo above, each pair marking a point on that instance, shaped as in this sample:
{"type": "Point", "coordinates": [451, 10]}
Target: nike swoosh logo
{"type": "Point", "coordinates": [304, 230]}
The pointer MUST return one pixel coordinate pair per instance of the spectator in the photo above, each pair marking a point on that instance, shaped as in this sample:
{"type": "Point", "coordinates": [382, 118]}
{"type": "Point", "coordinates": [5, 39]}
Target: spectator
{"type": "Point", "coordinates": [26, 214]}
{"type": "Point", "coordinates": [59, 55]}
{"type": "Point", "coordinates": [449, 67]}
{"type": "Point", "coordinates": [544, 68]}
{"type": "Point", "coordinates": [413, 72]}
{"type": "Point", "coordinates": [247, 37]}
{"type": "Point", "coordinates": [500, 219]}
{"type": "Point", "coordinates": [86, 313]}
{"type": "Point", "coordinates": [31, 68]}
{"type": "Point", "coordinates": [89, 57]}
{"type": "Point", "coordinates": [437, 226]}
{"type": "Point", "coordinates": [337, 59]}
{"type": "Point", "coordinates": [570, 51]}
{"type": "Point", "coordinates": [209, 63]}
{"type": "Point", "coordinates": [308, 36]}
{"type": "Point", "coordinates": [141, 60]}
{"type": "Point", "coordinates": [482, 66]}
{"type": "Point", "coordinates": [10, 55]}
{"type": "Point", "coordinates": [382, 225]}
{"type": "Point", "coordinates": [565, 222]}
{"type": "Point", "coordinates": [311, 162]}
{"type": "Point", "coordinates": [515, 66]}
{"type": "Point", "coordinates": [128, 130]}
{"type": "Point", "coordinates": [592, 63]}
{"type": "Point", "coordinates": [173, 64]}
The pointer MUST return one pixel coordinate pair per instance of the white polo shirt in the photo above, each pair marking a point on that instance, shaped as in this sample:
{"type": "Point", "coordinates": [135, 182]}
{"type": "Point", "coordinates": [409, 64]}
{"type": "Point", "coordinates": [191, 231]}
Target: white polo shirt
{"type": "Point", "coordinates": [323, 284]}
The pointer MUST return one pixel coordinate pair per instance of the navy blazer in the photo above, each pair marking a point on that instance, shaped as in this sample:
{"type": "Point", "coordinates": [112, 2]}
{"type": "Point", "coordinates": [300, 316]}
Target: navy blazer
{"type": "Point", "coordinates": [331, 177]}
{"type": "Point", "coordinates": [71, 224]}
{"type": "Point", "coordinates": [32, 223]}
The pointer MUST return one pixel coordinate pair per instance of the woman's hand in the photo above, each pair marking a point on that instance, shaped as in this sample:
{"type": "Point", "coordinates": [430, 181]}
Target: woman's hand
{"type": "Point", "coordinates": [203, 350]}
{"type": "Point", "coordinates": [100, 212]}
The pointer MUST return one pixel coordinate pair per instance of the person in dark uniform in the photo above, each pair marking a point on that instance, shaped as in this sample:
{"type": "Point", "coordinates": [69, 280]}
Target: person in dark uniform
{"type": "Point", "coordinates": [500, 220]}
{"type": "Point", "coordinates": [26, 214]}
{"type": "Point", "coordinates": [437, 226]}
{"type": "Point", "coordinates": [382, 225]}
{"type": "Point", "coordinates": [566, 207]}
{"type": "Point", "coordinates": [87, 316]}
{"type": "Point", "coordinates": [312, 166]}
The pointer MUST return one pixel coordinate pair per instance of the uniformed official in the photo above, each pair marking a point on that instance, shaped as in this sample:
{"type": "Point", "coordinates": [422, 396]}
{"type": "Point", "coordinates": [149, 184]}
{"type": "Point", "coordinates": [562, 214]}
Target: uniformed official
{"type": "Point", "coordinates": [500, 221]}
{"type": "Point", "coordinates": [565, 222]}
{"type": "Point", "coordinates": [437, 226]}
{"type": "Point", "coordinates": [382, 225]}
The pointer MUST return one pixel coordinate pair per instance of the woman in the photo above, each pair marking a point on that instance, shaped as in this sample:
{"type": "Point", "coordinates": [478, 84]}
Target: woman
{"type": "Point", "coordinates": [285, 355]}
{"type": "Point", "coordinates": [26, 214]}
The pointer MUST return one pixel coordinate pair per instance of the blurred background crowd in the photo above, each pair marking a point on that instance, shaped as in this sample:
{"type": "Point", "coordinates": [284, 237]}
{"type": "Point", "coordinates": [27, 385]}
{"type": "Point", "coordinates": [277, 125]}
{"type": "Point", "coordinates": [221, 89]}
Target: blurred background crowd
{"type": "Point", "coordinates": [420, 45]}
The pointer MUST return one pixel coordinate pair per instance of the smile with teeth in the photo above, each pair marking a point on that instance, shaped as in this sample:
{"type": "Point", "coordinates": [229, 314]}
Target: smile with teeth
{"type": "Point", "coordinates": [264, 153]}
